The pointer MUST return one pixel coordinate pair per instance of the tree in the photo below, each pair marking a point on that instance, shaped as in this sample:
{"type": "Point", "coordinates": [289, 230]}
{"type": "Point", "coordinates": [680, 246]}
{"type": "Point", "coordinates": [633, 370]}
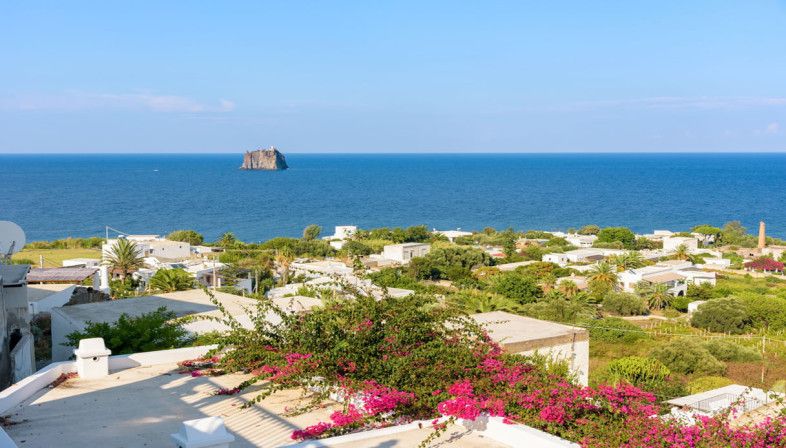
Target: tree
{"type": "Point", "coordinates": [681, 253]}
{"type": "Point", "coordinates": [144, 333]}
{"type": "Point", "coordinates": [311, 232]}
{"type": "Point", "coordinates": [627, 260]}
{"type": "Point", "coordinates": [170, 280]}
{"type": "Point", "coordinates": [656, 295]}
{"type": "Point", "coordinates": [621, 234]}
{"type": "Point", "coordinates": [283, 259]}
{"type": "Point", "coordinates": [513, 285]}
{"type": "Point", "coordinates": [687, 356]}
{"type": "Point", "coordinates": [590, 229]}
{"type": "Point", "coordinates": [725, 315]}
{"type": "Point", "coordinates": [124, 257]}
{"type": "Point", "coordinates": [356, 248]}
{"type": "Point", "coordinates": [568, 288]}
{"type": "Point", "coordinates": [187, 236]}
{"type": "Point", "coordinates": [624, 304]}
{"type": "Point", "coordinates": [602, 279]}
{"type": "Point", "coordinates": [733, 233]}
{"type": "Point", "coordinates": [227, 240]}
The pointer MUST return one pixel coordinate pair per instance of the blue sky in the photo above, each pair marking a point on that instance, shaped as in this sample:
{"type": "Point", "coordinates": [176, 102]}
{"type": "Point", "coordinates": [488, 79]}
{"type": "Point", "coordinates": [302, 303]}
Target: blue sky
{"type": "Point", "coordinates": [436, 76]}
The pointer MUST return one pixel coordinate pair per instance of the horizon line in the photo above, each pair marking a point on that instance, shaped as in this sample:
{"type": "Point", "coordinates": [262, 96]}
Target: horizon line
{"type": "Point", "coordinates": [399, 153]}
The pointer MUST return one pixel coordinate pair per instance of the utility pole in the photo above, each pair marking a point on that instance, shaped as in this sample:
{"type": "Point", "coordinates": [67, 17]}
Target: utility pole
{"type": "Point", "coordinates": [41, 261]}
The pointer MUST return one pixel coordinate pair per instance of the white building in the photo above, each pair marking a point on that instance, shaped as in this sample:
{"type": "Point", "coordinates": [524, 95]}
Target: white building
{"type": "Point", "coordinates": [672, 243]}
{"type": "Point", "coordinates": [82, 263]}
{"type": "Point", "coordinates": [583, 241]}
{"type": "Point", "coordinates": [525, 335]}
{"type": "Point", "coordinates": [153, 246]}
{"type": "Point", "coordinates": [587, 255]}
{"type": "Point", "coordinates": [340, 235]}
{"type": "Point", "coordinates": [451, 235]}
{"type": "Point", "coordinates": [748, 404]}
{"type": "Point", "coordinates": [405, 252]}
{"type": "Point", "coordinates": [675, 274]}
{"type": "Point", "coordinates": [319, 267]}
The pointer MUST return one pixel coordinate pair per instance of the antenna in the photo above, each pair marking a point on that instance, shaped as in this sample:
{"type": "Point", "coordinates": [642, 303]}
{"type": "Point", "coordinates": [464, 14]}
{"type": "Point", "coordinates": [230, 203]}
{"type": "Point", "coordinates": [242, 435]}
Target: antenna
{"type": "Point", "coordinates": [12, 239]}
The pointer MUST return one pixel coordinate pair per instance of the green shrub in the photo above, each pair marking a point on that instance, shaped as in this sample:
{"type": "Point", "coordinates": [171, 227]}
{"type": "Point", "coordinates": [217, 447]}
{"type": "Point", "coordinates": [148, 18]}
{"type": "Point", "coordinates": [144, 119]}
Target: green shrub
{"type": "Point", "coordinates": [705, 383]}
{"type": "Point", "coordinates": [614, 329]}
{"type": "Point", "coordinates": [144, 333]}
{"type": "Point", "coordinates": [687, 356]}
{"type": "Point", "coordinates": [191, 237]}
{"type": "Point", "coordinates": [170, 280]}
{"type": "Point", "coordinates": [623, 235]}
{"type": "Point", "coordinates": [726, 315]}
{"type": "Point", "coordinates": [680, 303]}
{"type": "Point", "coordinates": [513, 285]}
{"type": "Point", "coordinates": [765, 311]}
{"type": "Point", "coordinates": [637, 370]}
{"type": "Point", "coordinates": [624, 304]}
{"type": "Point", "coordinates": [730, 351]}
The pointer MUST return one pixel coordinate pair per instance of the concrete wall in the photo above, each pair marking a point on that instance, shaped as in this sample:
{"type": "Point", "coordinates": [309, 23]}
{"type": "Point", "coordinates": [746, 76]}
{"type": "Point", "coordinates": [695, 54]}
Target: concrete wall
{"type": "Point", "coordinates": [61, 326]}
{"type": "Point", "coordinates": [575, 353]}
{"type": "Point", "coordinates": [23, 358]}
{"type": "Point", "coordinates": [53, 300]}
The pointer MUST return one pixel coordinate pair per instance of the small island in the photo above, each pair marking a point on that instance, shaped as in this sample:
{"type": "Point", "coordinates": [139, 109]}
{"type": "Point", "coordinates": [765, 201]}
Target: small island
{"type": "Point", "coordinates": [264, 159]}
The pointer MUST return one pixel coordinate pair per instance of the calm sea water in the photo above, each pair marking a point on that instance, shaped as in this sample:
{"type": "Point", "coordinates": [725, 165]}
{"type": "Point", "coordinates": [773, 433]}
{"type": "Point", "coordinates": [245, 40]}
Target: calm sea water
{"type": "Point", "coordinates": [55, 196]}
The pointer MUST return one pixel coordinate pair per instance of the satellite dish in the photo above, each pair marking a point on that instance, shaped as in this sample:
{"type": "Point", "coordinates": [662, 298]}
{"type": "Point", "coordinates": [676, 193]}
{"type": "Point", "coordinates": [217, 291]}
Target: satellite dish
{"type": "Point", "coordinates": [12, 238]}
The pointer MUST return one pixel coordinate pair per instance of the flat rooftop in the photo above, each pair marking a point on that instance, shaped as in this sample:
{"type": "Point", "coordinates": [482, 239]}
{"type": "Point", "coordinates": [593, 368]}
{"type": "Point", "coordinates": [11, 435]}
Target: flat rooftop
{"type": "Point", "coordinates": [41, 291]}
{"type": "Point", "coordinates": [142, 406]}
{"type": "Point", "coordinates": [518, 333]}
{"type": "Point", "coordinates": [182, 303]}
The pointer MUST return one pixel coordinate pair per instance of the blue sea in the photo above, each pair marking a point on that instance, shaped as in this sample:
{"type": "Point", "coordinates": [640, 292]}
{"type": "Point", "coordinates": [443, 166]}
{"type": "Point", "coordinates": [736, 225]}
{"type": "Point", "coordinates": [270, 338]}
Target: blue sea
{"type": "Point", "coordinates": [55, 196]}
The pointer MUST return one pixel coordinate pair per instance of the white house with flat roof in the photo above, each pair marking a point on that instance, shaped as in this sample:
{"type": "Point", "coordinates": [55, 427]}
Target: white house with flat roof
{"type": "Point", "coordinates": [586, 255]}
{"type": "Point", "coordinates": [675, 274]}
{"type": "Point", "coordinates": [405, 252]}
{"type": "Point", "coordinates": [152, 246]}
{"type": "Point", "coordinates": [525, 335]}
{"type": "Point", "coordinates": [672, 243]}
{"type": "Point", "coordinates": [580, 240]}
{"type": "Point", "coordinates": [750, 404]}
{"type": "Point", "coordinates": [451, 235]}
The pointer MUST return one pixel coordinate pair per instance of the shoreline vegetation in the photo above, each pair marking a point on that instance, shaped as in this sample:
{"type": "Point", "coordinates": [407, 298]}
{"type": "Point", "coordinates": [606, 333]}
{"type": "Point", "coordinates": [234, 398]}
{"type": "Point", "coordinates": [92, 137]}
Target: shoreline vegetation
{"type": "Point", "coordinates": [644, 346]}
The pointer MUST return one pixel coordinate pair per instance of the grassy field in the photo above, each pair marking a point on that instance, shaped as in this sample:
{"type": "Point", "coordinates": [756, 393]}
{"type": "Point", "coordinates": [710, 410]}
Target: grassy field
{"type": "Point", "coordinates": [53, 258]}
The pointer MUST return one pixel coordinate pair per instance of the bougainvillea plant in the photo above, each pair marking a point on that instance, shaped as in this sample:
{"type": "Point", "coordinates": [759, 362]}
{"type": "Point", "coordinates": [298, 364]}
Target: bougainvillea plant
{"type": "Point", "coordinates": [397, 360]}
{"type": "Point", "coordinates": [764, 264]}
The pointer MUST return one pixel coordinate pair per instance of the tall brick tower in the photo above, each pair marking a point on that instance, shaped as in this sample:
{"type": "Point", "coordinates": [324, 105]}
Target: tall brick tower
{"type": "Point", "coordinates": [762, 235]}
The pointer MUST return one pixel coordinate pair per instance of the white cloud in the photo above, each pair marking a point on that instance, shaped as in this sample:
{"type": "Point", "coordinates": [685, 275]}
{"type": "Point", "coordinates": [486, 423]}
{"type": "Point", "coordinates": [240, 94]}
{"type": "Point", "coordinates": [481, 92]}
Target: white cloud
{"type": "Point", "coordinates": [77, 100]}
{"type": "Point", "coordinates": [772, 128]}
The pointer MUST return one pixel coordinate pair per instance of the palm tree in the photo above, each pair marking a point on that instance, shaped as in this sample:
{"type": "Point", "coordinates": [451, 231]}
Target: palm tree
{"type": "Point", "coordinates": [124, 257]}
{"type": "Point", "coordinates": [682, 253]}
{"type": "Point", "coordinates": [627, 260]}
{"type": "Point", "coordinates": [227, 240]}
{"type": "Point", "coordinates": [170, 280]}
{"type": "Point", "coordinates": [283, 260]}
{"type": "Point", "coordinates": [657, 295]}
{"type": "Point", "coordinates": [602, 278]}
{"type": "Point", "coordinates": [568, 287]}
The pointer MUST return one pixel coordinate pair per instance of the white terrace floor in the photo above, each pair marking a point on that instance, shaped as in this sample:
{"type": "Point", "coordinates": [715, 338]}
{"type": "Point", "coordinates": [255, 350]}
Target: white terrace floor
{"type": "Point", "coordinates": [142, 406]}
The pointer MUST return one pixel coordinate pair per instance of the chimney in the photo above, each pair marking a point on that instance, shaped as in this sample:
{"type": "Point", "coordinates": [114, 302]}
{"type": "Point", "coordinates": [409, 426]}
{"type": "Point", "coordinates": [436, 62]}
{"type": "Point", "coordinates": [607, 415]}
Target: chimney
{"type": "Point", "coordinates": [762, 235]}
